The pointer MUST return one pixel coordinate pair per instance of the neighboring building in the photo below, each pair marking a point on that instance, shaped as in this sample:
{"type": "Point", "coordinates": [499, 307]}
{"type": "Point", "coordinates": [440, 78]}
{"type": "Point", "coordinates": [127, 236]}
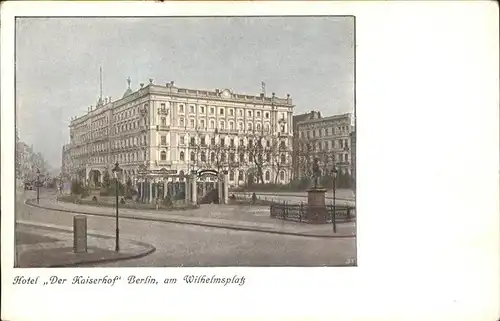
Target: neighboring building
{"type": "Point", "coordinates": [328, 140]}
{"type": "Point", "coordinates": [353, 158]}
{"type": "Point", "coordinates": [28, 162]}
{"type": "Point", "coordinates": [177, 129]}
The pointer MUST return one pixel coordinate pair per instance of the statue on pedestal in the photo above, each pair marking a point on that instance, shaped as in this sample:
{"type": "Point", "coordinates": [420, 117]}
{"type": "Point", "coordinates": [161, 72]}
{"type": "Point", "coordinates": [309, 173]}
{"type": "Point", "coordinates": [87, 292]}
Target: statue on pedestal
{"type": "Point", "coordinates": [316, 173]}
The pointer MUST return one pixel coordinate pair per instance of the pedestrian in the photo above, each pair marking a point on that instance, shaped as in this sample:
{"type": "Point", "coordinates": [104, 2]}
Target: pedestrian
{"type": "Point", "coordinates": [157, 203]}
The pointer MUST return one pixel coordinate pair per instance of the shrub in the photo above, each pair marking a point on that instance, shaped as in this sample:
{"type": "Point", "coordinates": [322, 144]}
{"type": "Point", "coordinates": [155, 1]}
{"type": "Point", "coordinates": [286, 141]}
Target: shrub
{"type": "Point", "coordinates": [94, 199]}
{"type": "Point", "coordinates": [122, 201]}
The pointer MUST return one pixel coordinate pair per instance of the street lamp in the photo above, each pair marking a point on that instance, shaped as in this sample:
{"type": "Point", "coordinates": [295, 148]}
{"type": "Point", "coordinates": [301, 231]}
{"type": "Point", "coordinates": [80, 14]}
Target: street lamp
{"type": "Point", "coordinates": [334, 177]}
{"type": "Point", "coordinates": [37, 186]}
{"type": "Point", "coordinates": [116, 170]}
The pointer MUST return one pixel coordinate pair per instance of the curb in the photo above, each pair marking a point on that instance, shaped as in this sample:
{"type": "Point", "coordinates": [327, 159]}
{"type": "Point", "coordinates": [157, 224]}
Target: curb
{"type": "Point", "coordinates": [150, 247]}
{"type": "Point", "coordinates": [293, 195]}
{"type": "Point", "coordinates": [228, 227]}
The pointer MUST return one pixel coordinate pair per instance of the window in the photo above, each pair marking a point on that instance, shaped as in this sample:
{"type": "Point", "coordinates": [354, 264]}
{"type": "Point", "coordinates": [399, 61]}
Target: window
{"type": "Point", "coordinates": [249, 113]}
{"type": "Point", "coordinates": [193, 141]}
{"type": "Point", "coordinates": [221, 111]}
{"type": "Point", "coordinates": [268, 176]}
{"type": "Point", "coordinates": [203, 156]}
{"type": "Point", "coordinates": [221, 124]}
{"type": "Point", "coordinates": [282, 175]}
{"type": "Point", "coordinates": [346, 157]}
{"type": "Point", "coordinates": [240, 126]}
{"type": "Point", "coordinates": [250, 143]}
{"type": "Point", "coordinates": [283, 159]}
{"type": "Point", "coordinates": [341, 144]}
{"type": "Point", "coordinates": [191, 109]}
{"type": "Point", "coordinates": [231, 157]}
{"type": "Point", "coordinates": [163, 121]}
{"type": "Point", "coordinates": [212, 110]}
{"type": "Point", "coordinates": [223, 157]}
{"type": "Point", "coordinates": [181, 122]}
{"type": "Point", "coordinates": [231, 142]}
{"type": "Point", "coordinates": [181, 109]}
{"type": "Point", "coordinates": [268, 143]}
{"type": "Point", "coordinates": [192, 156]}
{"type": "Point", "coordinates": [182, 142]}
{"type": "Point", "coordinates": [202, 109]}
{"type": "Point", "coordinates": [240, 175]}
{"type": "Point", "coordinates": [202, 123]}
{"type": "Point", "coordinates": [267, 115]}
{"type": "Point", "coordinates": [212, 157]}
{"type": "Point", "coordinates": [212, 141]}
{"type": "Point", "coordinates": [164, 140]}
{"type": "Point", "coordinates": [241, 142]}
{"type": "Point", "coordinates": [249, 126]}
{"type": "Point", "coordinates": [302, 135]}
{"type": "Point", "coordinates": [250, 158]}
{"type": "Point", "coordinates": [181, 156]}
{"type": "Point", "coordinates": [231, 112]}
{"type": "Point", "coordinates": [258, 114]}
{"type": "Point", "coordinates": [163, 155]}
{"type": "Point", "coordinates": [231, 125]}
{"type": "Point", "coordinates": [282, 128]}
{"type": "Point", "coordinates": [241, 112]}
{"type": "Point", "coordinates": [162, 106]}
{"type": "Point", "coordinates": [222, 141]}
{"type": "Point", "coordinates": [258, 127]}
{"type": "Point", "coordinates": [191, 123]}
{"type": "Point", "coordinates": [320, 132]}
{"type": "Point", "coordinates": [203, 143]}
{"type": "Point", "coordinates": [231, 176]}
{"type": "Point", "coordinates": [268, 157]}
{"type": "Point", "coordinates": [242, 158]}
{"type": "Point", "coordinates": [314, 133]}
{"type": "Point", "coordinates": [212, 124]}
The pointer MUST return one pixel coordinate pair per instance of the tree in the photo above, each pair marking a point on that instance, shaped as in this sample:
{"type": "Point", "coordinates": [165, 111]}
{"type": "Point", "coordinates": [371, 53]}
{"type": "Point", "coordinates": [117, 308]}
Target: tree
{"type": "Point", "coordinates": [258, 154]}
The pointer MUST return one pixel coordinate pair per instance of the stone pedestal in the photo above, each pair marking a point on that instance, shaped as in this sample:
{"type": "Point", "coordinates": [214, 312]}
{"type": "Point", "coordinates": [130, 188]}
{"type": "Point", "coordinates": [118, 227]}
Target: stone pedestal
{"type": "Point", "coordinates": [316, 209]}
{"type": "Point", "coordinates": [194, 190]}
{"type": "Point", "coordinates": [79, 234]}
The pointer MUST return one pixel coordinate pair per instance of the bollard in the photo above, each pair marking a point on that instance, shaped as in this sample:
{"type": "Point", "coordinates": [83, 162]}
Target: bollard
{"type": "Point", "coordinates": [80, 234]}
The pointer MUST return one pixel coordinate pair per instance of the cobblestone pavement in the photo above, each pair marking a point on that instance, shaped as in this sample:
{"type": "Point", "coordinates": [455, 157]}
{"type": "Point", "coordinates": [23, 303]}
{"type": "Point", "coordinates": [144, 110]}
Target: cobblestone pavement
{"type": "Point", "coordinates": [188, 245]}
{"type": "Point", "coordinates": [47, 245]}
{"type": "Point", "coordinates": [231, 216]}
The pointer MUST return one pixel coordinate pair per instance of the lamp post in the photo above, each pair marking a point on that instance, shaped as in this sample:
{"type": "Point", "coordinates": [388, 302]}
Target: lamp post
{"type": "Point", "coordinates": [116, 170]}
{"type": "Point", "coordinates": [334, 176]}
{"type": "Point", "coordinates": [37, 186]}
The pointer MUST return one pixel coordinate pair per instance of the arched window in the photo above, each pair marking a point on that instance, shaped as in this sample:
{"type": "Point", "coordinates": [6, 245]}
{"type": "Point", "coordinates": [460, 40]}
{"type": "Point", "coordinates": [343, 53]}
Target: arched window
{"type": "Point", "coordinates": [231, 176]}
{"type": "Point", "coordinates": [258, 126]}
{"type": "Point", "coordinates": [163, 155]}
{"type": "Point", "coordinates": [240, 175]}
{"type": "Point", "coordinates": [231, 127]}
{"type": "Point", "coordinates": [240, 126]}
{"type": "Point", "coordinates": [192, 156]}
{"type": "Point", "coordinates": [221, 124]}
{"type": "Point", "coordinates": [212, 157]}
{"type": "Point", "coordinates": [181, 122]}
{"type": "Point", "coordinates": [268, 176]}
{"type": "Point", "coordinates": [182, 156]}
{"type": "Point", "coordinates": [242, 157]}
{"type": "Point", "coordinates": [283, 158]}
{"type": "Point", "coordinates": [249, 126]}
{"type": "Point", "coordinates": [212, 124]}
{"type": "Point", "coordinates": [203, 157]}
{"type": "Point", "coordinates": [282, 175]}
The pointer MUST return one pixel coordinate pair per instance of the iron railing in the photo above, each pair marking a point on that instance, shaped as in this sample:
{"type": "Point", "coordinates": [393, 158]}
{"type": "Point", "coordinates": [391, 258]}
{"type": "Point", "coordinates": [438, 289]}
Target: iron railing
{"type": "Point", "coordinates": [302, 212]}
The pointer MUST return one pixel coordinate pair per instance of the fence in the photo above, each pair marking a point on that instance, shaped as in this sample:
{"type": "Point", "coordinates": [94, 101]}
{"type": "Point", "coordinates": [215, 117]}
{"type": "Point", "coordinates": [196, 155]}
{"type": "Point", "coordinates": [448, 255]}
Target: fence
{"type": "Point", "coordinates": [299, 212]}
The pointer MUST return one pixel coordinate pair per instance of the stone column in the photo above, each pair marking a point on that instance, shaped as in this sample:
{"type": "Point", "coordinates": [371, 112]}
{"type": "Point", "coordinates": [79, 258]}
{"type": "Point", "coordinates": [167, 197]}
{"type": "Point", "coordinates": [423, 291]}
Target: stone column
{"type": "Point", "coordinates": [165, 186]}
{"type": "Point", "coordinates": [194, 190]}
{"type": "Point", "coordinates": [150, 191]}
{"type": "Point", "coordinates": [226, 187]}
{"type": "Point", "coordinates": [187, 190]}
{"type": "Point", "coordinates": [220, 187]}
{"type": "Point", "coordinates": [204, 188]}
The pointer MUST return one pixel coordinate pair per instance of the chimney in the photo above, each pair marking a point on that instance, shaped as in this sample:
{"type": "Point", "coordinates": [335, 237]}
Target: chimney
{"type": "Point", "coordinates": [142, 85]}
{"type": "Point", "coordinates": [217, 91]}
{"type": "Point", "coordinates": [150, 81]}
{"type": "Point", "coordinates": [274, 94]}
{"type": "Point", "coordinates": [172, 83]}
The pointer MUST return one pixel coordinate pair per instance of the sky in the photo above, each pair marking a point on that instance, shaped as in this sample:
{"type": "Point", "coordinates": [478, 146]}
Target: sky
{"type": "Point", "coordinates": [58, 61]}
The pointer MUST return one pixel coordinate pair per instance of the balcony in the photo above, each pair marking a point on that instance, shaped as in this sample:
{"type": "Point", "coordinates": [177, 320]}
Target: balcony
{"type": "Point", "coordinates": [162, 111]}
{"type": "Point", "coordinates": [228, 131]}
{"type": "Point", "coordinates": [162, 127]}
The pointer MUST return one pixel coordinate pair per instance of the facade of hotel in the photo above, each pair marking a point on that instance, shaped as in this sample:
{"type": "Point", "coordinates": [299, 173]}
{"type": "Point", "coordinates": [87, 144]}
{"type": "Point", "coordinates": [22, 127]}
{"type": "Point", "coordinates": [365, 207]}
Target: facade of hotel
{"type": "Point", "coordinates": [326, 138]}
{"type": "Point", "coordinates": [177, 130]}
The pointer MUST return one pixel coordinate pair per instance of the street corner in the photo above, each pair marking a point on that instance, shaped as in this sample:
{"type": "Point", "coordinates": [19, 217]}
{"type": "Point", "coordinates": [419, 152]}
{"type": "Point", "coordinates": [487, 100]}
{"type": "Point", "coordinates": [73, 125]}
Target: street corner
{"type": "Point", "coordinates": [38, 246]}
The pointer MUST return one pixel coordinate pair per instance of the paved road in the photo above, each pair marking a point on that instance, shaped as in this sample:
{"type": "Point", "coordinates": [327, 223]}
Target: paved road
{"type": "Point", "coordinates": [184, 245]}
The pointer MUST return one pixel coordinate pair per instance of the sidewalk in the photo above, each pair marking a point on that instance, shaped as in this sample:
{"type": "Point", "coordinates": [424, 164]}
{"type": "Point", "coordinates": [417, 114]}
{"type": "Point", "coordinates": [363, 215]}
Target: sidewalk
{"type": "Point", "coordinates": [45, 245]}
{"type": "Point", "coordinates": [244, 218]}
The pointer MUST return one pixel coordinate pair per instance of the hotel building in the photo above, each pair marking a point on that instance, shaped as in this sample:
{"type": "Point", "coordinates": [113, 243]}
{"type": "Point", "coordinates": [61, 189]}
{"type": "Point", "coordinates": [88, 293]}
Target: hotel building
{"type": "Point", "coordinates": [177, 130]}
